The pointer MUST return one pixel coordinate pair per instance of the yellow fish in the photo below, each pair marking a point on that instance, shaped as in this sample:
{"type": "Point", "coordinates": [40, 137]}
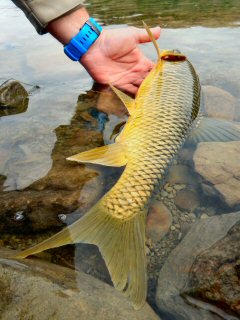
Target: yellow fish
{"type": "Point", "coordinates": [161, 115]}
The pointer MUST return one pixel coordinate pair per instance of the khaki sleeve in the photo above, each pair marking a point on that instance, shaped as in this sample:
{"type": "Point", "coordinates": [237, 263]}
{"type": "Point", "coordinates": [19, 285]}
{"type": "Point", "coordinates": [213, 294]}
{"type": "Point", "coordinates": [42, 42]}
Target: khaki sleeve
{"type": "Point", "coordinates": [41, 12]}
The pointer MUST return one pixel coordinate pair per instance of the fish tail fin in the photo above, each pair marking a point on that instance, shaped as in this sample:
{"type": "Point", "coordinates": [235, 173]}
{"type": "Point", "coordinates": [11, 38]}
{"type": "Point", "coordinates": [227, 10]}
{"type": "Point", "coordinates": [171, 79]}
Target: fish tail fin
{"type": "Point", "coordinates": [121, 243]}
{"type": "Point", "coordinates": [153, 40]}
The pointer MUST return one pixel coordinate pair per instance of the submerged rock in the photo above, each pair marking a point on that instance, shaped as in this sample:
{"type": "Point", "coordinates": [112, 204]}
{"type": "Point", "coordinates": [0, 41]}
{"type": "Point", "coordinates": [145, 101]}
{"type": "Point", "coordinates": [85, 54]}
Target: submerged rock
{"type": "Point", "coordinates": [70, 294]}
{"type": "Point", "coordinates": [187, 200]}
{"type": "Point", "coordinates": [219, 164]}
{"type": "Point", "coordinates": [13, 98]}
{"type": "Point", "coordinates": [181, 174]}
{"type": "Point", "coordinates": [40, 211]}
{"type": "Point", "coordinates": [172, 297]}
{"type": "Point", "coordinates": [215, 276]}
{"type": "Point", "coordinates": [159, 220]}
{"type": "Point", "coordinates": [219, 103]}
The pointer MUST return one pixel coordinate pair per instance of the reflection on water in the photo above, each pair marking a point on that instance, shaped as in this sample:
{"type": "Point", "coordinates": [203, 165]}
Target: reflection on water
{"type": "Point", "coordinates": [169, 14]}
{"type": "Point", "coordinates": [40, 190]}
{"type": "Point", "coordinates": [49, 184]}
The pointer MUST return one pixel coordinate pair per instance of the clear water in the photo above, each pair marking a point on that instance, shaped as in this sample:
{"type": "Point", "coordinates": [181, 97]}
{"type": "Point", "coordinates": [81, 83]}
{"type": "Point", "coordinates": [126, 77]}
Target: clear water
{"type": "Point", "coordinates": [39, 190]}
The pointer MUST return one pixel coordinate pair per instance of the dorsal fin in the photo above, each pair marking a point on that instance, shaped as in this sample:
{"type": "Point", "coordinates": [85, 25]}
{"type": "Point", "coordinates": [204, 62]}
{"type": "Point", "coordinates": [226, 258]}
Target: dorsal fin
{"type": "Point", "coordinates": [153, 40]}
{"type": "Point", "coordinates": [127, 101]}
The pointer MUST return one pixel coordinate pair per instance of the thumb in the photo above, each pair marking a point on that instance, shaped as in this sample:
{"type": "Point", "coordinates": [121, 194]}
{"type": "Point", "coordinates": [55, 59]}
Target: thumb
{"type": "Point", "coordinates": [142, 35]}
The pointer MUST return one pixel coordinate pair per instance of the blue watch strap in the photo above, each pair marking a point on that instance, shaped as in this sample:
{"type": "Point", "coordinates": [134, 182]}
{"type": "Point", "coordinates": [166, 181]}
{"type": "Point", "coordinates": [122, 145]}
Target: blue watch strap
{"type": "Point", "coordinates": [80, 44]}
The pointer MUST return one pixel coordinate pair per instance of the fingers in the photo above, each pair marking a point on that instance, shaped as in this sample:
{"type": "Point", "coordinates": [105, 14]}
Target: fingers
{"type": "Point", "coordinates": [148, 64]}
{"type": "Point", "coordinates": [131, 81]}
{"type": "Point", "coordinates": [133, 85]}
{"type": "Point", "coordinates": [140, 76]}
{"type": "Point", "coordinates": [130, 88]}
{"type": "Point", "coordinates": [143, 37]}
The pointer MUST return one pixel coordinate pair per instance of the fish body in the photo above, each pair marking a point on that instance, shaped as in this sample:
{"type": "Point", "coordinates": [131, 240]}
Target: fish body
{"type": "Point", "coordinates": [161, 115]}
{"type": "Point", "coordinates": [165, 107]}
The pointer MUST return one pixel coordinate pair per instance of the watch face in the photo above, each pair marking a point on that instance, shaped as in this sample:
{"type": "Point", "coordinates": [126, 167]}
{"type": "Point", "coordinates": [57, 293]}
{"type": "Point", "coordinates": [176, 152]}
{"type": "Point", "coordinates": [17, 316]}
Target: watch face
{"type": "Point", "coordinates": [94, 26]}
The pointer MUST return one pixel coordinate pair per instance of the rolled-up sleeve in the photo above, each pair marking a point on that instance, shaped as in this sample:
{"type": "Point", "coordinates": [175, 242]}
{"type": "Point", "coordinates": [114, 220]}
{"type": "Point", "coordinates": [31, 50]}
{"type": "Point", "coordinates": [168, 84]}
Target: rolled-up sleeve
{"type": "Point", "coordinates": [41, 12]}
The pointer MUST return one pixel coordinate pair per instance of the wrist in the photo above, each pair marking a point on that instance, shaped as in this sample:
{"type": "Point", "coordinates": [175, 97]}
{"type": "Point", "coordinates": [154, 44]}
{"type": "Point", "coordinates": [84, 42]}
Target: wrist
{"type": "Point", "coordinates": [68, 26]}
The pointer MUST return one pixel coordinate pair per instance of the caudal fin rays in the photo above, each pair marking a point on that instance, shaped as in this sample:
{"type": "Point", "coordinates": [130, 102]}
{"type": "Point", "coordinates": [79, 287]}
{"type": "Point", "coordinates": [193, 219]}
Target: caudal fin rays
{"type": "Point", "coordinates": [125, 259]}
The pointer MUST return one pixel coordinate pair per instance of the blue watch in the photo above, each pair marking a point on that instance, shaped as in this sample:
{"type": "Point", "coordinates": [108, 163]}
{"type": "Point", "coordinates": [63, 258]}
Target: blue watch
{"type": "Point", "coordinates": [80, 44]}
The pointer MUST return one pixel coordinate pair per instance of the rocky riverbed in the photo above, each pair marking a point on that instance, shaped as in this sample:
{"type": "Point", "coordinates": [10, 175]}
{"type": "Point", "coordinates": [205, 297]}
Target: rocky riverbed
{"type": "Point", "coordinates": [191, 214]}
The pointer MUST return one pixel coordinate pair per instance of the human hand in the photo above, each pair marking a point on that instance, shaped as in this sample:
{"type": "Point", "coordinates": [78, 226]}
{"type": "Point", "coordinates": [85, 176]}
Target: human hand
{"type": "Point", "coordinates": [116, 58]}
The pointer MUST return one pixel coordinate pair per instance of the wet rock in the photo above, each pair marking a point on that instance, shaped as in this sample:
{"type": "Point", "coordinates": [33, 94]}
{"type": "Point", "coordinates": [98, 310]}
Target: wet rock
{"type": "Point", "coordinates": [204, 216]}
{"type": "Point", "coordinates": [88, 259]}
{"type": "Point", "coordinates": [39, 210]}
{"type": "Point", "coordinates": [13, 98]}
{"type": "Point", "coordinates": [209, 190]}
{"type": "Point", "coordinates": [186, 154]}
{"type": "Point", "coordinates": [219, 164]}
{"type": "Point", "coordinates": [181, 174]}
{"type": "Point", "coordinates": [171, 296]}
{"type": "Point", "coordinates": [159, 221]}
{"type": "Point", "coordinates": [70, 294]}
{"type": "Point", "coordinates": [215, 274]}
{"type": "Point", "coordinates": [219, 103]}
{"type": "Point", "coordinates": [187, 200]}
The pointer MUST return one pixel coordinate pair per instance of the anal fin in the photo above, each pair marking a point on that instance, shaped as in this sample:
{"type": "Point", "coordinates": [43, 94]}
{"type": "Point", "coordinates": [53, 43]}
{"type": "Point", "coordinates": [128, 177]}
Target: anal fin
{"type": "Point", "coordinates": [109, 155]}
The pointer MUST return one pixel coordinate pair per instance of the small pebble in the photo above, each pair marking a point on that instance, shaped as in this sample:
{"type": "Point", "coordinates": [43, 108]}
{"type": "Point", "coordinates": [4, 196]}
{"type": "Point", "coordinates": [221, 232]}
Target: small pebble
{"type": "Point", "coordinates": [62, 217]}
{"type": "Point", "coordinates": [192, 216]}
{"type": "Point", "coordinates": [179, 186]}
{"type": "Point", "coordinates": [183, 218]}
{"type": "Point", "coordinates": [179, 236]}
{"type": "Point", "coordinates": [147, 251]}
{"type": "Point", "coordinates": [204, 216]}
{"type": "Point", "coordinates": [211, 212]}
{"type": "Point", "coordinates": [173, 228]}
{"type": "Point", "coordinates": [164, 194]}
{"type": "Point", "coordinates": [169, 189]}
{"type": "Point", "coordinates": [19, 216]}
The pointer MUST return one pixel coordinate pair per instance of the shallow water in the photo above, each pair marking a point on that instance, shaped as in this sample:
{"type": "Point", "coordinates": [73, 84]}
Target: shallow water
{"type": "Point", "coordinates": [39, 190]}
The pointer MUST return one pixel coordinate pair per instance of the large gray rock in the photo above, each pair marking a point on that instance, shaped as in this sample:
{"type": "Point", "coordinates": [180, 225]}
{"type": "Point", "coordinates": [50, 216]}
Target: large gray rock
{"type": "Point", "coordinates": [171, 298]}
{"type": "Point", "coordinates": [37, 290]}
{"type": "Point", "coordinates": [219, 164]}
{"type": "Point", "coordinates": [219, 103]}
